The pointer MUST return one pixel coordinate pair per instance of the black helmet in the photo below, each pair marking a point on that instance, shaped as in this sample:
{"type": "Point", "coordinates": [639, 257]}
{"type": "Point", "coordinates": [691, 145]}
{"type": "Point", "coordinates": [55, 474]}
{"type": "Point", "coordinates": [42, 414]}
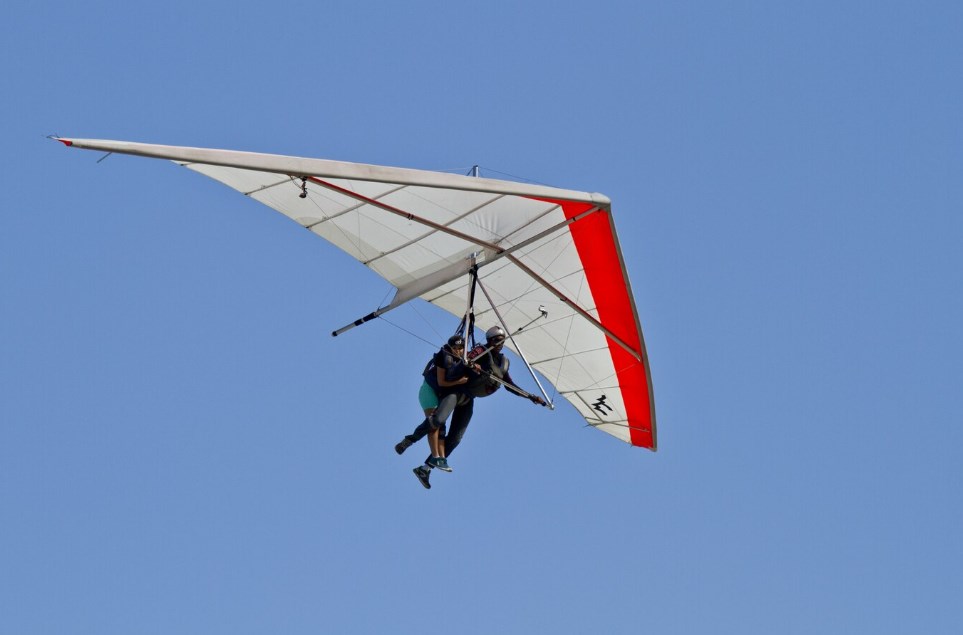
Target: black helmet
{"type": "Point", "coordinates": [495, 335]}
{"type": "Point", "coordinates": [456, 341]}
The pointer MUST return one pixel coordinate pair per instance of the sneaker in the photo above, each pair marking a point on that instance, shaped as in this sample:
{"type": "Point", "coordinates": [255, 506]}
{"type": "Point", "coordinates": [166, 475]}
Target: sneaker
{"type": "Point", "coordinates": [403, 445]}
{"type": "Point", "coordinates": [423, 473]}
{"type": "Point", "coordinates": [439, 462]}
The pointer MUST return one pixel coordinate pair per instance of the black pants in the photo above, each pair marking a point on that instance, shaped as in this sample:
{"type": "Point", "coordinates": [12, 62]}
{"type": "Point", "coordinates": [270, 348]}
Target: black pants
{"type": "Point", "coordinates": [460, 411]}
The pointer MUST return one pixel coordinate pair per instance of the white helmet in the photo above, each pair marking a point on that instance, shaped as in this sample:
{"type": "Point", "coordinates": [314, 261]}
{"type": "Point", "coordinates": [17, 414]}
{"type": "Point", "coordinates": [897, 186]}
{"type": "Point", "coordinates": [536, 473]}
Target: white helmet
{"type": "Point", "coordinates": [495, 335]}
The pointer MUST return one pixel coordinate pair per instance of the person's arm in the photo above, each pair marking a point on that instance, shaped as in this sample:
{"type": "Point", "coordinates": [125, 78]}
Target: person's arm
{"type": "Point", "coordinates": [511, 387]}
{"type": "Point", "coordinates": [443, 374]}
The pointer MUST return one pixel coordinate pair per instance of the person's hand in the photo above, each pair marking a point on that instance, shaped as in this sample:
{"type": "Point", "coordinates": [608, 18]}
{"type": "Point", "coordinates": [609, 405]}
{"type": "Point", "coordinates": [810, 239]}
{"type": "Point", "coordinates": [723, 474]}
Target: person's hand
{"type": "Point", "coordinates": [537, 399]}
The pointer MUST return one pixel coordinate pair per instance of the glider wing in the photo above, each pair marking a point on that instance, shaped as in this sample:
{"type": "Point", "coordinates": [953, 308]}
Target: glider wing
{"type": "Point", "coordinates": [534, 245]}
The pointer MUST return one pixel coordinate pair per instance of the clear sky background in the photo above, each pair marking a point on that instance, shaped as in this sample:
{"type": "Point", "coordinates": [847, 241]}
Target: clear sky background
{"type": "Point", "coordinates": [185, 449]}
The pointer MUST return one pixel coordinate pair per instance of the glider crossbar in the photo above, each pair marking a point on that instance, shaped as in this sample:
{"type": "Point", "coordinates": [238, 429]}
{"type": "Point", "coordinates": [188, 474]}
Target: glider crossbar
{"type": "Point", "coordinates": [495, 253]}
{"type": "Point", "coordinates": [548, 232]}
{"type": "Point", "coordinates": [575, 307]}
{"type": "Point", "coordinates": [406, 215]}
{"type": "Point", "coordinates": [426, 234]}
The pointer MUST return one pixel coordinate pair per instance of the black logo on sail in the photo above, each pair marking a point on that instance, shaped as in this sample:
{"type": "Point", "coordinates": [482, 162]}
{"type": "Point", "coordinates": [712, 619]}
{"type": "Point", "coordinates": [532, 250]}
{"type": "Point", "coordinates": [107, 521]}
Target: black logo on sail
{"type": "Point", "coordinates": [601, 406]}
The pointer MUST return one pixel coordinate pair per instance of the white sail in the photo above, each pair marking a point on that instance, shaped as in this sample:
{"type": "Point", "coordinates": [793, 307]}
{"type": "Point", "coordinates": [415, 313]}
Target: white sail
{"type": "Point", "coordinates": [534, 246]}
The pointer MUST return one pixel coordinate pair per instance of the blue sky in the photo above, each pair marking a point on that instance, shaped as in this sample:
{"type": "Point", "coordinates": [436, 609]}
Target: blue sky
{"type": "Point", "coordinates": [184, 448]}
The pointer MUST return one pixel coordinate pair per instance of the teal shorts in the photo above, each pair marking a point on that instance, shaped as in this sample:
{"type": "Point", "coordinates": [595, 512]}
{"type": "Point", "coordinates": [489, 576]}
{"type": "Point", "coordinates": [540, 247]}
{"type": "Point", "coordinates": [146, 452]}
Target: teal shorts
{"type": "Point", "coordinates": [427, 397]}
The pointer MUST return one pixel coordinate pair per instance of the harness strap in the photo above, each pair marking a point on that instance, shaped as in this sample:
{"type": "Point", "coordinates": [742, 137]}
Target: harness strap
{"type": "Point", "coordinates": [466, 327]}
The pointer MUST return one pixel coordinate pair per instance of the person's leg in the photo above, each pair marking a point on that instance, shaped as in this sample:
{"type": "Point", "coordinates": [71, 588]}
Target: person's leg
{"type": "Point", "coordinates": [436, 424]}
{"type": "Point", "coordinates": [429, 404]}
{"type": "Point", "coordinates": [459, 423]}
{"type": "Point", "coordinates": [433, 443]}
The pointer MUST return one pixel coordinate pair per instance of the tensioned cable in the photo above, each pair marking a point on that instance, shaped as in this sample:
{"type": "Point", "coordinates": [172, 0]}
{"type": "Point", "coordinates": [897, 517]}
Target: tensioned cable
{"type": "Point", "coordinates": [425, 320]}
{"type": "Point", "coordinates": [415, 309]}
{"type": "Point", "coordinates": [468, 170]}
{"type": "Point", "coordinates": [521, 179]}
{"type": "Point", "coordinates": [399, 327]}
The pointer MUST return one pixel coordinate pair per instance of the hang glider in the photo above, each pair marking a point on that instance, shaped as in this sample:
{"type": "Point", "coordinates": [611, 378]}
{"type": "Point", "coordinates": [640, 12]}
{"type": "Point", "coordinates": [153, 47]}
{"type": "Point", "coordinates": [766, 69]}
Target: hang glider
{"type": "Point", "coordinates": [534, 249]}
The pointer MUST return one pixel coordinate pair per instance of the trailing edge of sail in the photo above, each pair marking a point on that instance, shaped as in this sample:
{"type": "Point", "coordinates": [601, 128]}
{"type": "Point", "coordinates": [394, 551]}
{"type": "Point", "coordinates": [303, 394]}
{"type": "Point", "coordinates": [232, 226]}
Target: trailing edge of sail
{"type": "Point", "coordinates": [535, 246]}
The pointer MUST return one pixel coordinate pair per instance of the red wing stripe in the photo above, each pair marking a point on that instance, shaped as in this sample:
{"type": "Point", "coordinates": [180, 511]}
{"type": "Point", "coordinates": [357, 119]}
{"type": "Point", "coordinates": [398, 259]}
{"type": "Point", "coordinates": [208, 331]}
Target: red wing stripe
{"type": "Point", "coordinates": [594, 240]}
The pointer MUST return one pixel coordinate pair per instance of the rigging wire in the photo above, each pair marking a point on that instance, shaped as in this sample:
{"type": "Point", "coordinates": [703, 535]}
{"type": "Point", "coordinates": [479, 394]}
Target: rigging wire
{"type": "Point", "coordinates": [411, 333]}
{"type": "Point", "coordinates": [512, 176]}
{"type": "Point", "coordinates": [475, 170]}
{"type": "Point", "coordinates": [399, 327]}
{"type": "Point", "coordinates": [426, 321]}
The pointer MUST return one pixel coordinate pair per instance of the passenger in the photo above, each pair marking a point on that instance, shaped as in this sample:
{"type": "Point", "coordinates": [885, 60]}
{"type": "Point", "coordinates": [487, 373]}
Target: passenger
{"type": "Point", "coordinates": [444, 375]}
